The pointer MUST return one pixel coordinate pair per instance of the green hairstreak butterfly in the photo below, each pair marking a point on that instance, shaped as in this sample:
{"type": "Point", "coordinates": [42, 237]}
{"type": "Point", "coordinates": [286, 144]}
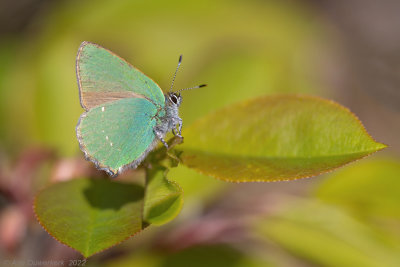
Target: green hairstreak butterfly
{"type": "Point", "coordinates": [126, 112]}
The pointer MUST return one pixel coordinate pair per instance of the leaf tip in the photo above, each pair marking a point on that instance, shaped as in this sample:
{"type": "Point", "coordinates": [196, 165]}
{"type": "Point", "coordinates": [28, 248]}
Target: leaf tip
{"type": "Point", "coordinates": [381, 146]}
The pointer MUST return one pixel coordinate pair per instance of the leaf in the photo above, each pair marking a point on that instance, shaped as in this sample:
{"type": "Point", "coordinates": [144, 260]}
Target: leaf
{"type": "Point", "coordinates": [370, 189]}
{"type": "Point", "coordinates": [163, 198]}
{"type": "Point", "coordinates": [274, 138]}
{"type": "Point", "coordinates": [90, 215]}
{"type": "Point", "coordinates": [326, 236]}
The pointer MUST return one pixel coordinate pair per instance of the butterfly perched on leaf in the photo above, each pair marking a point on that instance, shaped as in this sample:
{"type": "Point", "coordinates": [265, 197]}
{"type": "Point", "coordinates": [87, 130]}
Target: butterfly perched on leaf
{"type": "Point", "coordinates": [126, 112]}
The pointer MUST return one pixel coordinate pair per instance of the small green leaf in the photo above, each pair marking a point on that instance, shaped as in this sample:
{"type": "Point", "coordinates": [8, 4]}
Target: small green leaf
{"type": "Point", "coordinates": [163, 198]}
{"type": "Point", "coordinates": [90, 215]}
{"type": "Point", "coordinates": [275, 138]}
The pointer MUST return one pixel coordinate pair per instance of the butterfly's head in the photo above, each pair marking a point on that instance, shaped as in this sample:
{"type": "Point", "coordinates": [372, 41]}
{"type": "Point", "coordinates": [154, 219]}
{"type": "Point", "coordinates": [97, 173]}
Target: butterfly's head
{"type": "Point", "coordinates": [174, 99]}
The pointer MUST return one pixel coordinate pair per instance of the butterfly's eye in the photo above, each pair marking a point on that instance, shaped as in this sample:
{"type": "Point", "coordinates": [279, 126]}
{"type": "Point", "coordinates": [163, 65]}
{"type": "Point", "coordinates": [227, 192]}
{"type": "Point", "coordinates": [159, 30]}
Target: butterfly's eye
{"type": "Point", "coordinates": [174, 99]}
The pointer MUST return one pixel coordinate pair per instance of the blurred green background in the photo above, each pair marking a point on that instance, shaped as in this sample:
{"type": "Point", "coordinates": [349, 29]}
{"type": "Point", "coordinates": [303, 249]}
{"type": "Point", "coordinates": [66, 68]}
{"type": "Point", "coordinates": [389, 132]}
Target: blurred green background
{"type": "Point", "coordinates": [347, 51]}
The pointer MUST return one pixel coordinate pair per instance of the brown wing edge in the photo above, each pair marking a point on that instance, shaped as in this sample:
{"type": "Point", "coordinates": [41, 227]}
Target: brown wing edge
{"type": "Point", "coordinates": [78, 77]}
{"type": "Point", "coordinates": [113, 173]}
{"type": "Point", "coordinates": [81, 47]}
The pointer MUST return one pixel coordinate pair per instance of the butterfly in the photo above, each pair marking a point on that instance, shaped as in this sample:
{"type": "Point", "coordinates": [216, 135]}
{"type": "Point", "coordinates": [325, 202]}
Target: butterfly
{"type": "Point", "coordinates": [126, 112]}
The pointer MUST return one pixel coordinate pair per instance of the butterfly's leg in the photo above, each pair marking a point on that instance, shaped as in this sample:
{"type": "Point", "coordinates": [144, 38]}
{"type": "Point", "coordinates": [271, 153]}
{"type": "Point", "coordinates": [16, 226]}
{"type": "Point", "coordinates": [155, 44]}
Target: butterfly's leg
{"type": "Point", "coordinates": [160, 136]}
{"type": "Point", "coordinates": [180, 123]}
{"type": "Point", "coordinates": [176, 130]}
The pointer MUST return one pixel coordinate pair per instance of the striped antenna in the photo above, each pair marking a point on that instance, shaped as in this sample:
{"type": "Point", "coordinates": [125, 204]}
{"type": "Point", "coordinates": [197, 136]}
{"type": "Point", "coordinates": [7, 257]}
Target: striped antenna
{"type": "Point", "coordinates": [177, 68]}
{"type": "Point", "coordinates": [184, 89]}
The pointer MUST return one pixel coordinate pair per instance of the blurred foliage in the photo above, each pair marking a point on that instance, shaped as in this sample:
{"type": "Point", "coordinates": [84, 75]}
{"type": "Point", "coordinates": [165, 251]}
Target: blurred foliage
{"type": "Point", "coordinates": [215, 255]}
{"type": "Point", "coordinates": [271, 52]}
{"type": "Point", "coordinates": [356, 224]}
{"type": "Point", "coordinates": [328, 236]}
{"type": "Point", "coordinates": [370, 190]}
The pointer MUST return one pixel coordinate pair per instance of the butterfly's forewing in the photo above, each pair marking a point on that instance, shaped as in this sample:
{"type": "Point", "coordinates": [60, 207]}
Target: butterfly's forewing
{"type": "Point", "coordinates": [117, 134]}
{"type": "Point", "coordinates": [104, 77]}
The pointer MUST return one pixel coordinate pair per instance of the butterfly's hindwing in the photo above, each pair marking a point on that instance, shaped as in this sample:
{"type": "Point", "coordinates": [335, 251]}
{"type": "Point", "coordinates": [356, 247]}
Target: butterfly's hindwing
{"type": "Point", "coordinates": [117, 134]}
{"type": "Point", "coordinates": [105, 77]}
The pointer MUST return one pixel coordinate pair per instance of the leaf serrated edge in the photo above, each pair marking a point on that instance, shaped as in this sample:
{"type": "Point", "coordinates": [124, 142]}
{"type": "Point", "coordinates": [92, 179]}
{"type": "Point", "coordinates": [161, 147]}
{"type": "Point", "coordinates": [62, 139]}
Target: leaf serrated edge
{"type": "Point", "coordinates": [44, 227]}
{"type": "Point", "coordinates": [282, 180]}
{"type": "Point", "coordinates": [346, 109]}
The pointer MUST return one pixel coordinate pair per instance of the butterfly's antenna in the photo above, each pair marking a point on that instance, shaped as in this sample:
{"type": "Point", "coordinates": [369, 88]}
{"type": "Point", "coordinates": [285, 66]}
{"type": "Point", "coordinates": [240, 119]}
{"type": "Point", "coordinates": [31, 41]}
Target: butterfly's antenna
{"type": "Point", "coordinates": [184, 89]}
{"type": "Point", "coordinates": [177, 68]}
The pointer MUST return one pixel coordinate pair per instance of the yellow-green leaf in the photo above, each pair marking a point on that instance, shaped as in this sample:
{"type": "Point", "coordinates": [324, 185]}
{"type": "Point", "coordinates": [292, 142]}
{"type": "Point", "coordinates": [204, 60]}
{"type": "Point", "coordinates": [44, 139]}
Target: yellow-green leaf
{"type": "Point", "coordinates": [275, 138]}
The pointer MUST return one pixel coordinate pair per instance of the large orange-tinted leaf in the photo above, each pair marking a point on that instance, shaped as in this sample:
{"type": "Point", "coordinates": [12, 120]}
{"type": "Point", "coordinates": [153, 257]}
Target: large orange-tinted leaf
{"type": "Point", "coordinates": [275, 138]}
